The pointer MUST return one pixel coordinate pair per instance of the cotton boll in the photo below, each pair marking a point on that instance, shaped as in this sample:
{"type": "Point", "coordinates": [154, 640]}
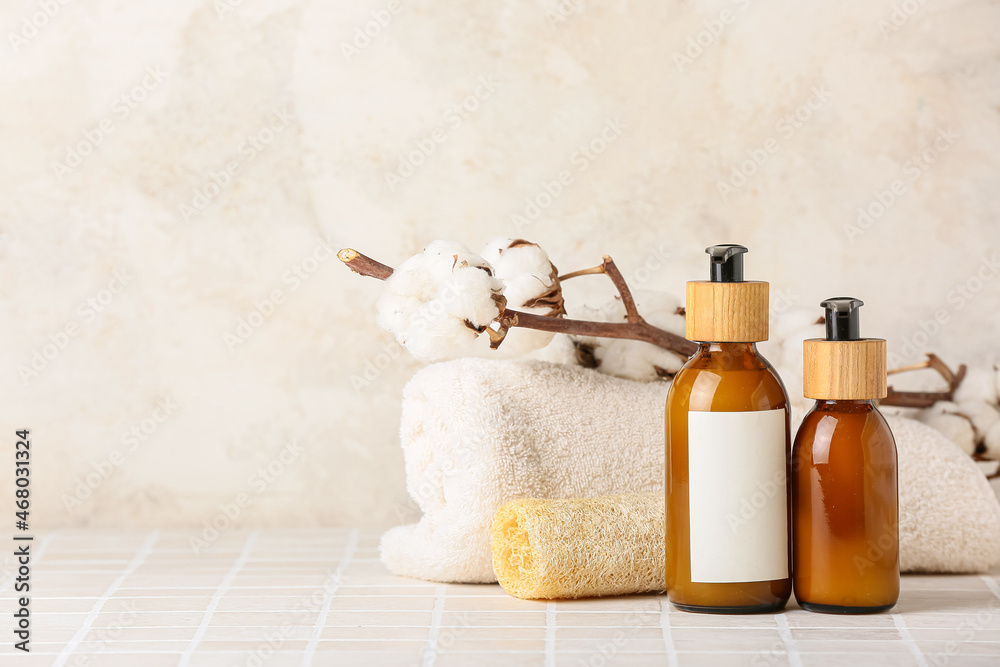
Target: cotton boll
{"type": "Point", "coordinates": [944, 417]}
{"type": "Point", "coordinates": [660, 309]}
{"type": "Point", "coordinates": [631, 359]}
{"type": "Point", "coordinates": [955, 428]}
{"type": "Point", "coordinates": [792, 347]}
{"type": "Point", "coordinates": [438, 302]}
{"type": "Point", "coordinates": [979, 384]}
{"type": "Point", "coordinates": [440, 339]}
{"type": "Point", "coordinates": [786, 331]}
{"type": "Point", "coordinates": [518, 342]}
{"type": "Point", "coordinates": [561, 350]}
{"type": "Point", "coordinates": [526, 272]}
{"type": "Point", "coordinates": [531, 285]}
{"type": "Point", "coordinates": [982, 415]}
{"type": "Point", "coordinates": [784, 324]}
{"type": "Point", "coordinates": [588, 314]}
{"type": "Point", "coordinates": [992, 442]}
{"type": "Point", "coordinates": [636, 360]}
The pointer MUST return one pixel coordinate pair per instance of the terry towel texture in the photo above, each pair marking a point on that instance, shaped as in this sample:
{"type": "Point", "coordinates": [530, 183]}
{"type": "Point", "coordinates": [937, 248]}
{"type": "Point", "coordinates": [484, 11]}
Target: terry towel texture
{"type": "Point", "coordinates": [949, 517]}
{"type": "Point", "coordinates": [611, 545]}
{"type": "Point", "coordinates": [479, 433]}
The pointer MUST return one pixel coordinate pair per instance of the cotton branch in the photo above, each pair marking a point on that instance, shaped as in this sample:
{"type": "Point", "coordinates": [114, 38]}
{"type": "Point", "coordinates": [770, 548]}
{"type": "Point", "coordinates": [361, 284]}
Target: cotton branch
{"type": "Point", "coordinates": [925, 399]}
{"type": "Point", "coordinates": [635, 328]}
{"type": "Point", "coordinates": [609, 269]}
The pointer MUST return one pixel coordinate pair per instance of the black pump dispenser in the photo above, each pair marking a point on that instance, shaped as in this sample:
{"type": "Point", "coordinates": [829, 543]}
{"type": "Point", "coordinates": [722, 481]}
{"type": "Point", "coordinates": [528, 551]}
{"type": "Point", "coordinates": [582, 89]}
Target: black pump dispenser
{"type": "Point", "coordinates": [726, 263]}
{"type": "Point", "coordinates": [842, 318]}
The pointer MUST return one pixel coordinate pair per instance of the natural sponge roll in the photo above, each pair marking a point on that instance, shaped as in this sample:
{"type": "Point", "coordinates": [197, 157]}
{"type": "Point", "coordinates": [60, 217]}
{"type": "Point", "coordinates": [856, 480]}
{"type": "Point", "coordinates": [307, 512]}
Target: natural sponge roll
{"type": "Point", "coordinates": [610, 545]}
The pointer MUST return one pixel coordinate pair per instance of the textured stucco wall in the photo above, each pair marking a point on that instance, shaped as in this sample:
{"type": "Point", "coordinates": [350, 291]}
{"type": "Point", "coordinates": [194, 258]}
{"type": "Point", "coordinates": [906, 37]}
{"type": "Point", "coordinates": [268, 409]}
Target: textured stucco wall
{"type": "Point", "coordinates": [168, 169]}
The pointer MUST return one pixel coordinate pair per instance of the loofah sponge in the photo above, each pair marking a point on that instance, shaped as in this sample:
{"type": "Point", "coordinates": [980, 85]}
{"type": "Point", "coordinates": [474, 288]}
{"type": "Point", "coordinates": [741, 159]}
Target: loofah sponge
{"type": "Point", "coordinates": [609, 545]}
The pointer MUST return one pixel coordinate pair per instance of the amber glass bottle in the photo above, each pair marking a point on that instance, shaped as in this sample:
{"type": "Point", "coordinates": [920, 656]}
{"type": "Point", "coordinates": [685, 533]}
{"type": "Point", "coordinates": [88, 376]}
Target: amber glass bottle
{"type": "Point", "coordinates": [844, 490]}
{"type": "Point", "coordinates": [727, 459]}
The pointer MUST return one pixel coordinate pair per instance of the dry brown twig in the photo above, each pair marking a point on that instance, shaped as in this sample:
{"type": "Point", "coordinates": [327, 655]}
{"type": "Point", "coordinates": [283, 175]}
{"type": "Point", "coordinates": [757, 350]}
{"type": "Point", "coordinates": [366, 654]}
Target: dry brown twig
{"type": "Point", "coordinates": [634, 328]}
{"type": "Point", "coordinates": [925, 399]}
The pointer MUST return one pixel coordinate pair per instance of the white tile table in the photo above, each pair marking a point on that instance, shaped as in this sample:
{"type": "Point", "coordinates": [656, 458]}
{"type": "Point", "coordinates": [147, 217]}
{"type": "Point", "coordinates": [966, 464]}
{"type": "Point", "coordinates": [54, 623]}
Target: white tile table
{"type": "Point", "coordinates": [321, 597]}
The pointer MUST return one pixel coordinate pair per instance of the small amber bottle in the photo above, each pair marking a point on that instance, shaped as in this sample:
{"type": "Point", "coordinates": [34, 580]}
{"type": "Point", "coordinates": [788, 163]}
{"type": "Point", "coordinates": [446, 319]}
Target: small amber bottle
{"type": "Point", "coordinates": [727, 458]}
{"type": "Point", "coordinates": [844, 490]}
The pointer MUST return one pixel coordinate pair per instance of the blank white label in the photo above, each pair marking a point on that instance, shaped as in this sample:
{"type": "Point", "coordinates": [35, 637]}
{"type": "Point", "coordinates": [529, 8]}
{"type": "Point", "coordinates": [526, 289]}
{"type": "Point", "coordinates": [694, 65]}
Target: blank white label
{"type": "Point", "coordinates": [737, 498]}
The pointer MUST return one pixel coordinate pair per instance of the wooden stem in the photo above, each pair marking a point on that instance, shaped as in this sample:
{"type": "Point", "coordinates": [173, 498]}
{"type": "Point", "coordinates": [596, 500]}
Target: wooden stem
{"type": "Point", "coordinates": [364, 264]}
{"type": "Point", "coordinates": [631, 312]}
{"type": "Point", "coordinates": [610, 269]}
{"type": "Point", "coordinates": [635, 328]}
{"type": "Point", "coordinates": [628, 330]}
{"type": "Point", "coordinates": [925, 399]}
{"type": "Point", "coordinates": [594, 270]}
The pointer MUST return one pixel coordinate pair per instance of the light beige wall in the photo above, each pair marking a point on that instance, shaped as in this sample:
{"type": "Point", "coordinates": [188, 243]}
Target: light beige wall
{"type": "Point", "coordinates": [550, 77]}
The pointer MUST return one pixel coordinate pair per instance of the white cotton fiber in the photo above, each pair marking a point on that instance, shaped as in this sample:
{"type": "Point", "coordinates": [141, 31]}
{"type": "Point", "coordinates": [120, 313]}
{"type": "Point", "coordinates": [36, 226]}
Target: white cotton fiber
{"type": "Point", "coordinates": [992, 442]}
{"type": "Point", "coordinates": [438, 302]}
{"type": "Point", "coordinates": [944, 417]}
{"type": "Point", "coordinates": [982, 415]}
{"type": "Point", "coordinates": [979, 384]}
{"type": "Point", "coordinates": [527, 274]}
{"type": "Point", "coordinates": [525, 270]}
{"type": "Point", "coordinates": [631, 359]}
{"type": "Point", "coordinates": [786, 332]}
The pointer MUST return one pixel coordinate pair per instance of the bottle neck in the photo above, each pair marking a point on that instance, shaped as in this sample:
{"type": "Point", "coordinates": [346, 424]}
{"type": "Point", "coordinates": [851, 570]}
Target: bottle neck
{"type": "Point", "coordinates": [845, 406]}
{"type": "Point", "coordinates": [727, 348]}
{"type": "Point", "coordinates": [728, 356]}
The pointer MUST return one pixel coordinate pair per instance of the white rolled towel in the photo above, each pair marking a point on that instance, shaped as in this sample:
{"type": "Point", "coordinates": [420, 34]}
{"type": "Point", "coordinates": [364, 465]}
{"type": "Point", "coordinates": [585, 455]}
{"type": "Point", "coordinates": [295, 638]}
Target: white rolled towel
{"type": "Point", "coordinates": [479, 433]}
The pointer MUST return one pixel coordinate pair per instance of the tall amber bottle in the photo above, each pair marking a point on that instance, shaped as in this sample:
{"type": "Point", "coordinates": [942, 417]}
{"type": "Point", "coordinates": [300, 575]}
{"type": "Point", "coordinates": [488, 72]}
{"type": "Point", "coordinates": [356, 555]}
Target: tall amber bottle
{"type": "Point", "coordinates": [844, 490]}
{"type": "Point", "coordinates": [727, 459]}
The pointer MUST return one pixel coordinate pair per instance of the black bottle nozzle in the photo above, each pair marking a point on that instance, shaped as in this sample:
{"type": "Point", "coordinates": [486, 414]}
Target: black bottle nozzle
{"type": "Point", "coordinates": [842, 318]}
{"type": "Point", "coordinates": [726, 263]}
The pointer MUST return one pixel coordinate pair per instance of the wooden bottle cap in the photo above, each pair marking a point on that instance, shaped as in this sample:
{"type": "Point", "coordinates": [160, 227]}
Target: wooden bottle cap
{"type": "Point", "coordinates": [844, 370]}
{"type": "Point", "coordinates": [726, 312]}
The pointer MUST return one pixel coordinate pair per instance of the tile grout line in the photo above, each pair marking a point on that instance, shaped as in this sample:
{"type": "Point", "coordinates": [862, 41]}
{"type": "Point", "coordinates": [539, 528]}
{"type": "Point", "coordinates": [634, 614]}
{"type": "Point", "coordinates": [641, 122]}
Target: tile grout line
{"type": "Point", "coordinates": [525, 627]}
{"type": "Point", "coordinates": [217, 597]}
{"type": "Point", "coordinates": [345, 560]}
{"type": "Point", "coordinates": [668, 635]}
{"type": "Point", "coordinates": [904, 632]}
{"type": "Point", "coordinates": [140, 555]}
{"type": "Point", "coordinates": [430, 651]}
{"type": "Point", "coordinates": [785, 632]}
{"type": "Point", "coordinates": [550, 634]}
{"type": "Point", "coordinates": [992, 585]}
{"type": "Point", "coordinates": [43, 545]}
